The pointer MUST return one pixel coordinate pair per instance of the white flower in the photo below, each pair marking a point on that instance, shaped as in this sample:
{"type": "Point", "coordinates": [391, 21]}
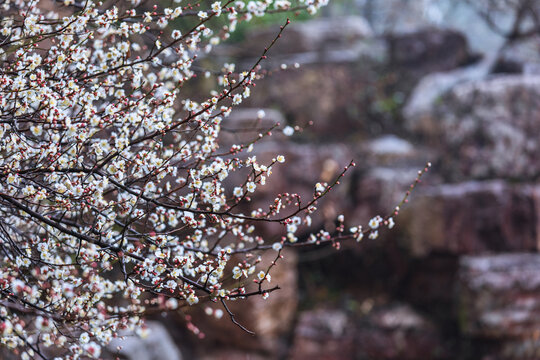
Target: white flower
{"type": "Point", "coordinates": [261, 275]}
{"type": "Point", "coordinates": [391, 223]}
{"type": "Point", "coordinates": [292, 238]}
{"type": "Point", "coordinates": [237, 99]}
{"type": "Point", "coordinates": [93, 349]}
{"type": "Point", "coordinates": [172, 304]}
{"type": "Point", "coordinates": [13, 179]}
{"type": "Point", "coordinates": [238, 191]}
{"type": "Point", "coordinates": [277, 246]}
{"type": "Point", "coordinates": [320, 187]}
{"type": "Point", "coordinates": [374, 223]}
{"type": "Point", "coordinates": [6, 328]}
{"type": "Point", "coordinates": [216, 7]}
{"type": "Point", "coordinates": [43, 324]}
{"type": "Point", "coordinates": [192, 299]}
{"type": "Point", "coordinates": [237, 272]}
{"type": "Point", "coordinates": [28, 190]}
{"type": "Point", "coordinates": [374, 234]}
{"type": "Point", "coordinates": [177, 11]}
{"type": "Point", "coordinates": [190, 105]}
{"type": "Point", "coordinates": [280, 159]}
{"type": "Point", "coordinates": [150, 187]}
{"type": "Point", "coordinates": [176, 34]}
{"type": "Point", "coordinates": [292, 228]}
{"type": "Point", "coordinates": [36, 130]}
{"type": "Point", "coordinates": [84, 338]}
{"type": "Point", "coordinates": [171, 284]}
{"type": "Point", "coordinates": [288, 131]}
{"type": "Point", "coordinates": [250, 187]}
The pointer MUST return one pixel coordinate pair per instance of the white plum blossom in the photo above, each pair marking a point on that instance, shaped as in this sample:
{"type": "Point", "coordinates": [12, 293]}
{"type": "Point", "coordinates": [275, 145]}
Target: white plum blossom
{"type": "Point", "coordinates": [288, 131]}
{"type": "Point", "coordinates": [251, 186]}
{"type": "Point", "coordinates": [238, 191]}
{"type": "Point", "coordinates": [84, 338]}
{"type": "Point", "coordinates": [374, 222]}
{"type": "Point", "coordinates": [93, 349]}
{"type": "Point", "coordinates": [176, 34]}
{"type": "Point", "coordinates": [320, 187]}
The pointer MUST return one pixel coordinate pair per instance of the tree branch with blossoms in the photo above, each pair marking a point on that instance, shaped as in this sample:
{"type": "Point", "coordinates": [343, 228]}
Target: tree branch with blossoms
{"type": "Point", "coordinates": [113, 184]}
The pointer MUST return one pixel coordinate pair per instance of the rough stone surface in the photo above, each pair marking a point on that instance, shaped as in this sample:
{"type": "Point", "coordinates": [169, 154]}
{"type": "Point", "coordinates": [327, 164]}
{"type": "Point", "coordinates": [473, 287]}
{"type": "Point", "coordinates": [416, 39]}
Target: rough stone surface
{"type": "Point", "coordinates": [432, 87]}
{"type": "Point", "coordinates": [317, 35]}
{"type": "Point", "coordinates": [489, 128]}
{"type": "Point", "coordinates": [499, 296]}
{"type": "Point", "coordinates": [429, 285]}
{"type": "Point", "coordinates": [399, 332]}
{"type": "Point", "coordinates": [323, 334]}
{"type": "Point", "coordinates": [331, 101]}
{"type": "Point", "coordinates": [519, 56]}
{"type": "Point", "coordinates": [472, 218]}
{"type": "Point", "coordinates": [391, 146]}
{"type": "Point", "coordinates": [227, 354]}
{"type": "Point", "coordinates": [388, 332]}
{"type": "Point", "coordinates": [429, 49]}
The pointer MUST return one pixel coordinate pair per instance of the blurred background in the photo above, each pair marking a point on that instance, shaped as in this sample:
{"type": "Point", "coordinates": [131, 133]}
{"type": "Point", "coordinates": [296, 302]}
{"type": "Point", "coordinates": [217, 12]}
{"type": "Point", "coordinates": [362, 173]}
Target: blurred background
{"type": "Point", "coordinates": [392, 84]}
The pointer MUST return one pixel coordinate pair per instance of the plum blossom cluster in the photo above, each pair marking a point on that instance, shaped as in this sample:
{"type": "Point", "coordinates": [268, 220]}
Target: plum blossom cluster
{"type": "Point", "coordinates": [116, 198]}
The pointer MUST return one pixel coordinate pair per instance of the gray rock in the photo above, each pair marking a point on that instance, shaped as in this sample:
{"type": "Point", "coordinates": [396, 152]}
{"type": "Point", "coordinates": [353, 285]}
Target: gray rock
{"type": "Point", "coordinates": [429, 49]}
{"type": "Point", "coordinates": [472, 218]}
{"type": "Point", "coordinates": [432, 87]}
{"type": "Point", "coordinates": [323, 334]}
{"type": "Point", "coordinates": [499, 296]}
{"type": "Point", "coordinates": [399, 317]}
{"type": "Point", "coordinates": [398, 332]}
{"type": "Point", "coordinates": [396, 16]}
{"type": "Point", "coordinates": [520, 56]}
{"type": "Point", "coordinates": [319, 35]}
{"type": "Point", "coordinates": [487, 128]}
{"type": "Point", "coordinates": [390, 145]}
